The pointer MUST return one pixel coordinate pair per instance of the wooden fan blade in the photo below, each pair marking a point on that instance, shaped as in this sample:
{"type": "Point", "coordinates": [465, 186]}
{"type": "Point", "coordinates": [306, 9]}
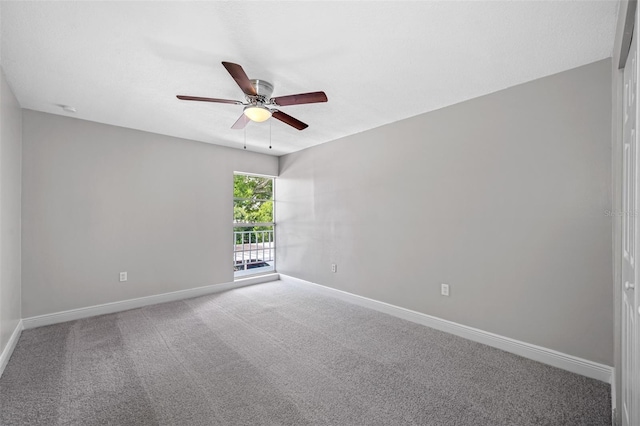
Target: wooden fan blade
{"type": "Point", "coordinates": [240, 77]}
{"type": "Point", "coordinates": [287, 119]}
{"type": "Point", "coordinates": [301, 98]}
{"type": "Point", "coordinates": [197, 98]}
{"type": "Point", "coordinates": [241, 122]}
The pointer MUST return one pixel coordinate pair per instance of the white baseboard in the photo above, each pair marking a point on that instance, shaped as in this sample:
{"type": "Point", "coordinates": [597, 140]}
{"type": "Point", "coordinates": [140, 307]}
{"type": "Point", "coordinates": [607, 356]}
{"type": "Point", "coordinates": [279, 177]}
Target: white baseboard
{"type": "Point", "coordinates": [11, 345]}
{"type": "Point", "coordinates": [125, 305]}
{"type": "Point", "coordinates": [614, 420]}
{"type": "Point", "coordinates": [557, 359]}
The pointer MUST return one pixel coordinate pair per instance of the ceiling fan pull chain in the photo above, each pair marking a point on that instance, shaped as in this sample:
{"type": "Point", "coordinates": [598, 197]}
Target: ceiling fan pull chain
{"type": "Point", "coordinates": [245, 138]}
{"type": "Point", "coordinates": [269, 134]}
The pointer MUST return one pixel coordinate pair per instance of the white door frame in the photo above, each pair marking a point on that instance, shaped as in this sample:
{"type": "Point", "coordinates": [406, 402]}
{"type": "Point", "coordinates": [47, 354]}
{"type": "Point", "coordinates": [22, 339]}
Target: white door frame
{"type": "Point", "coordinates": [626, 168]}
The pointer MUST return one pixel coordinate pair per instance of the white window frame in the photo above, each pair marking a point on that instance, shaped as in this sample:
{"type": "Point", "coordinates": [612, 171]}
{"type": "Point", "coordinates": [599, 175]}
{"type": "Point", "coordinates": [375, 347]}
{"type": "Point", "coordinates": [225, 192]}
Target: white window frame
{"type": "Point", "coordinates": [272, 224]}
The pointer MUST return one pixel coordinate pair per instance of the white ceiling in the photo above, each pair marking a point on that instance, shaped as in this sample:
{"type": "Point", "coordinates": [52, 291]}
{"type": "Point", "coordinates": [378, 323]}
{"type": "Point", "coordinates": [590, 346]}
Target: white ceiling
{"type": "Point", "coordinates": [122, 63]}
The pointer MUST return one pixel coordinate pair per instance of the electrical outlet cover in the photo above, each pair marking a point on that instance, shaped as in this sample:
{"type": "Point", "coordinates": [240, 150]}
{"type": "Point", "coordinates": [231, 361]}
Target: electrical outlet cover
{"type": "Point", "coordinates": [444, 289]}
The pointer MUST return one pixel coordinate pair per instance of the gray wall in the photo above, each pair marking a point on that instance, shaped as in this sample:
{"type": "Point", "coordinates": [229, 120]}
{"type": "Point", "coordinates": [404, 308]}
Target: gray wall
{"type": "Point", "coordinates": [503, 197]}
{"type": "Point", "coordinates": [99, 199]}
{"type": "Point", "coordinates": [10, 187]}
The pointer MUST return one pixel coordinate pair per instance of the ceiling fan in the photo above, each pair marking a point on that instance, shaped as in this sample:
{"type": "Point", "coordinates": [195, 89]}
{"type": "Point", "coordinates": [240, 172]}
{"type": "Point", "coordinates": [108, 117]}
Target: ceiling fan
{"type": "Point", "coordinates": [259, 106]}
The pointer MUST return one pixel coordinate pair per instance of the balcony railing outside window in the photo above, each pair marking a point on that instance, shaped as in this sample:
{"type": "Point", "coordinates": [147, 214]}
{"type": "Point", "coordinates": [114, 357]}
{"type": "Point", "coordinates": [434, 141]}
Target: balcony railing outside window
{"type": "Point", "coordinates": [254, 252]}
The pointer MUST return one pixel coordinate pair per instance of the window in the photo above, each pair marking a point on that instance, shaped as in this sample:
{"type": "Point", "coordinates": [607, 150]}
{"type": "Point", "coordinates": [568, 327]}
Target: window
{"type": "Point", "coordinates": [253, 225]}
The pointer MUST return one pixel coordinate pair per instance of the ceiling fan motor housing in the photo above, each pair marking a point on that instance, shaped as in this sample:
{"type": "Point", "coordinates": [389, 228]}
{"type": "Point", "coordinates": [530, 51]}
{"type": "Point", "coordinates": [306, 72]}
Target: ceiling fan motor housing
{"type": "Point", "coordinates": [264, 89]}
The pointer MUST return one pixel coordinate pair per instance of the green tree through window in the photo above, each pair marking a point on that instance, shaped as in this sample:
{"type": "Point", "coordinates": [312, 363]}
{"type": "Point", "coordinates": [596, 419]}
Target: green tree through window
{"type": "Point", "coordinates": [253, 203]}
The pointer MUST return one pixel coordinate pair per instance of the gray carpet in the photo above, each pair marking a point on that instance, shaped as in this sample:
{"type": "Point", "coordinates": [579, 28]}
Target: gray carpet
{"type": "Point", "coordinates": [279, 354]}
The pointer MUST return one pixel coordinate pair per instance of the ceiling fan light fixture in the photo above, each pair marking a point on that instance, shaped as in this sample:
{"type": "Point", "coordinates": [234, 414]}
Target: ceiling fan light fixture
{"type": "Point", "coordinates": [257, 113]}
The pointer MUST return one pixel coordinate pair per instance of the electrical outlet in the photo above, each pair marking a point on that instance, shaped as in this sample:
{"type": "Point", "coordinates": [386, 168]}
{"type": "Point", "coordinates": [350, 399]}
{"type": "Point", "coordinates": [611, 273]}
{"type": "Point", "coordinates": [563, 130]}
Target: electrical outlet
{"type": "Point", "coordinates": [123, 276]}
{"type": "Point", "coordinates": [444, 289]}
{"type": "Point", "coordinates": [334, 267]}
